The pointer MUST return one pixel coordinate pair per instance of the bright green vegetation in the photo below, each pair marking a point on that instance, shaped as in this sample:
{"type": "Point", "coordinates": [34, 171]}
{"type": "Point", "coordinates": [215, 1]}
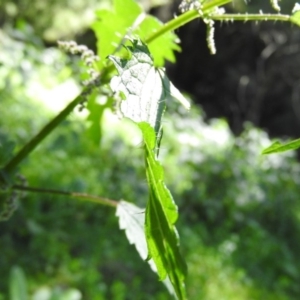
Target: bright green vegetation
{"type": "Point", "coordinates": [237, 212]}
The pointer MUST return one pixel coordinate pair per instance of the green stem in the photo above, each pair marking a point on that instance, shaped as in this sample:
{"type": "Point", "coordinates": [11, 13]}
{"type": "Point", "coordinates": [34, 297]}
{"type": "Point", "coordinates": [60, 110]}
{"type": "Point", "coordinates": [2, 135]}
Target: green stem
{"type": "Point", "coordinates": [251, 17]}
{"type": "Point", "coordinates": [82, 196]}
{"type": "Point", "coordinates": [45, 131]}
{"type": "Point", "coordinates": [185, 18]}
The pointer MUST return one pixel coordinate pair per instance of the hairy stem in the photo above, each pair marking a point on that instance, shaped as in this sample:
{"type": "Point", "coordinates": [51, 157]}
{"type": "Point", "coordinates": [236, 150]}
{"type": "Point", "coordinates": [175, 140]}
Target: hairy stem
{"type": "Point", "coordinates": [81, 196]}
{"type": "Point", "coordinates": [185, 18]}
{"type": "Point", "coordinates": [251, 17]}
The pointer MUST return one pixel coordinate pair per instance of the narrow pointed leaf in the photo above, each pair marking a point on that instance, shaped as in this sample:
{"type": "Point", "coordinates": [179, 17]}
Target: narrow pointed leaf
{"type": "Point", "coordinates": [141, 85]}
{"type": "Point", "coordinates": [161, 215]}
{"type": "Point", "coordinates": [279, 147]}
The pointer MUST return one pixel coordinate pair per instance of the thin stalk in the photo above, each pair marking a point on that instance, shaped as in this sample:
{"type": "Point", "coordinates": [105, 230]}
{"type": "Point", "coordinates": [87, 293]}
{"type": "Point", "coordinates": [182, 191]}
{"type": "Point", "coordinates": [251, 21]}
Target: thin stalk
{"type": "Point", "coordinates": [81, 196]}
{"type": "Point", "coordinates": [185, 18]}
{"type": "Point", "coordinates": [36, 140]}
{"type": "Point", "coordinates": [251, 17]}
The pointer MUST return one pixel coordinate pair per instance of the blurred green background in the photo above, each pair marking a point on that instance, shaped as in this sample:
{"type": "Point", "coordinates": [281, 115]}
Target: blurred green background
{"type": "Point", "coordinates": [239, 211]}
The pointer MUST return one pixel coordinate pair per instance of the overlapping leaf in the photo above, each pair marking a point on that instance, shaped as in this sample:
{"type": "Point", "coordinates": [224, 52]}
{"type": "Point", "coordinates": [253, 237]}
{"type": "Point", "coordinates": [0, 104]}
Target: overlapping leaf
{"type": "Point", "coordinates": [126, 18]}
{"type": "Point", "coordinates": [144, 90]}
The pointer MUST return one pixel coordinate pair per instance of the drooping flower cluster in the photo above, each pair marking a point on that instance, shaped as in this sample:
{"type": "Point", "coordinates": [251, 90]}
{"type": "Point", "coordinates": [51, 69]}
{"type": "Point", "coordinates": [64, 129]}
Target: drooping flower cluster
{"type": "Point", "coordinates": [187, 5]}
{"type": "Point", "coordinates": [88, 57]}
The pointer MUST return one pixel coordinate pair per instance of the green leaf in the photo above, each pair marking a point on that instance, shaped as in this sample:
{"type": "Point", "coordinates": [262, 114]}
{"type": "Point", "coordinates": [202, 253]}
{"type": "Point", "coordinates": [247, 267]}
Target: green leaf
{"type": "Point", "coordinates": [145, 90]}
{"type": "Point", "coordinates": [163, 47]}
{"type": "Point", "coordinates": [112, 25]}
{"type": "Point", "coordinates": [124, 19]}
{"type": "Point", "coordinates": [295, 18]}
{"type": "Point", "coordinates": [161, 215]}
{"type": "Point", "coordinates": [141, 85]}
{"type": "Point", "coordinates": [17, 284]}
{"type": "Point", "coordinates": [132, 220]}
{"type": "Point", "coordinates": [278, 147]}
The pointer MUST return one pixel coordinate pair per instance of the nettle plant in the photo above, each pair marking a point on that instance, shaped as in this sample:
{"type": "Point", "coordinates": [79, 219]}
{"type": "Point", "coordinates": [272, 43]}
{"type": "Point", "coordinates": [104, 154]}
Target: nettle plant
{"type": "Point", "coordinates": [128, 70]}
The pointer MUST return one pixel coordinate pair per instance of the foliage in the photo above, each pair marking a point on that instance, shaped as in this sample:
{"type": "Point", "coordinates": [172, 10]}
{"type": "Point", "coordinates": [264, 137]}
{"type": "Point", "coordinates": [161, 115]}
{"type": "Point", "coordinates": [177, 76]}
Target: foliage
{"type": "Point", "coordinates": [140, 91]}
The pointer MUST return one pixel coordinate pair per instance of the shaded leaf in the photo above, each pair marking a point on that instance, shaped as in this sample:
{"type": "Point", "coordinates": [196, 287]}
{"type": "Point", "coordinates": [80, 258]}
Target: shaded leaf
{"type": "Point", "coordinates": [279, 147]}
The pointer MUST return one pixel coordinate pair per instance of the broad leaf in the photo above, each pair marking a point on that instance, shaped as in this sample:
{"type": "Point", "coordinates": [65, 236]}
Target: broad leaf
{"type": "Point", "coordinates": [144, 90]}
{"type": "Point", "coordinates": [163, 47]}
{"type": "Point", "coordinates": [132, 220]}
{"type": "Point", "coordinates": [295, 18]}
{"type": "Point", "coordinates": [278, 147]}
{"type": "Point", "coordinates": [124, 19]}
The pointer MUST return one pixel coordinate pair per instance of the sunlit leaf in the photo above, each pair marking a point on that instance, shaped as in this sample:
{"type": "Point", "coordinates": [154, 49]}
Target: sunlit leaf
{"type": "Point", "coordinates": [144, 90]}
{"type": "Point", "coordinates": [127, 18]}
{"type": "Point", "coordinates": [132, 220]}
{"type": "Point", "coordinates": [163, 47]}
{"type": "Point", "coordinates": [295, 18]}
{"type": "Point", "coordinates": [144, 87]}
{"type": "Point", "coordinates": [279, 147]}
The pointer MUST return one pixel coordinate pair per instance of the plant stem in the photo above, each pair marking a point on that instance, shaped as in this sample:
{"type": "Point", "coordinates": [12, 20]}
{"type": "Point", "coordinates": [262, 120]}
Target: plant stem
{"type": "Point", "coordinates": [251, 17]}
{"type": "Point", "coordinates": [82, 196]}
{"type": "Point", "coordinates": [45, 131]}
{"type": "Point", "coordinates": [185, 18]}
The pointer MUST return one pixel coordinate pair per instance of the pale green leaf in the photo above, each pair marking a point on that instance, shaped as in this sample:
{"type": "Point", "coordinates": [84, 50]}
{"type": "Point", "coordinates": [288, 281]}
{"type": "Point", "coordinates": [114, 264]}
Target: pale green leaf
{"type": "Point", "coordinates": [279, 147]}
{"type": "Point", "coordinates": [112, 25]}
{"type": "Point", "coordinates": [295, 18]}
{"type": "Point", "coordinates": [144, 87]}
{"type": "Point", "coordinates": [126, 18]}
{"type": "Point", "coordinates": [132, 220]}
{"type": "Point", "coordinates": [141, 85]}
{"type": "Point", "coordinates": [163, 47]}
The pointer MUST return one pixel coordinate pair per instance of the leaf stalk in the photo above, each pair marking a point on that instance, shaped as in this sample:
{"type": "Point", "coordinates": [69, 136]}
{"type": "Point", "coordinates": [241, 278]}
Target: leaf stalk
{"type": "Point", "coordinates": [81, 196]}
